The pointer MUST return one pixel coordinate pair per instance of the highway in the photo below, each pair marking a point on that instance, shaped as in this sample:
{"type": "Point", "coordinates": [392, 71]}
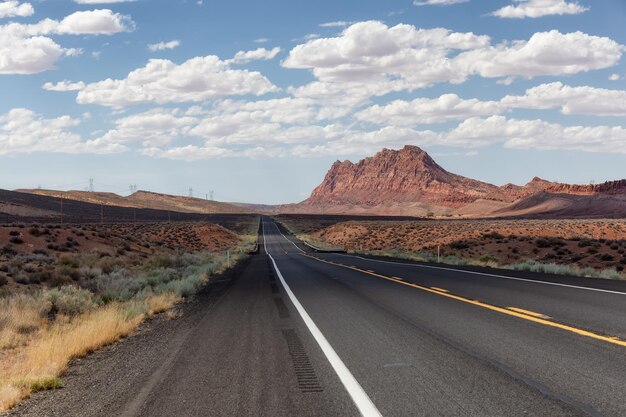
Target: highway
{"type": "Point", "coordinates": [299, 333]}
{"type": "Point", "coordinates": [438, 341]}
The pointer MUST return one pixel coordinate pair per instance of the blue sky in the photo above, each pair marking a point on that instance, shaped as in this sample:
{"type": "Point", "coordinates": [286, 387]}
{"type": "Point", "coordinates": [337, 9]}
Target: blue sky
{"type": "Point", "coordinates": [255, 100]}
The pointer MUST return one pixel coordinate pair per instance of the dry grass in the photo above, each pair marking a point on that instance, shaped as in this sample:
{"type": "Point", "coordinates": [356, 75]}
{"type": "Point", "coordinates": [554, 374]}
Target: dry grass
{"type": "Point", "coordinates": [38, 366]}
{"type": "Point", "coordinates": [162, 302]}
{"type": "Point", "coordinates": [20, 317]}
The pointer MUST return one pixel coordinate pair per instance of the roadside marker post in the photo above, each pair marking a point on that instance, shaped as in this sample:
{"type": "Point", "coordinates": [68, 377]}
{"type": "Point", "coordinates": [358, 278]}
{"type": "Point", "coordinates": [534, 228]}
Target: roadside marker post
{"type": "Point", "coordinates": [438, 252]}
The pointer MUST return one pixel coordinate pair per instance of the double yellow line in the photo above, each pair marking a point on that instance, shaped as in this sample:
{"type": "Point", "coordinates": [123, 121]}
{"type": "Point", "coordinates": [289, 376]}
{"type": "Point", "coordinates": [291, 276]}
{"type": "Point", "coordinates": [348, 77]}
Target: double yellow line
{"type": "Point", "coordinates": [511, 311]}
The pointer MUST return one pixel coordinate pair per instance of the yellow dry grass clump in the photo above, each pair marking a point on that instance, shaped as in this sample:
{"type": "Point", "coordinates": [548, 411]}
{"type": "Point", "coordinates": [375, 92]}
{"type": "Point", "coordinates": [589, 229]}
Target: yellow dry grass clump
{"type": "Point", "coordinates": [47, 355]}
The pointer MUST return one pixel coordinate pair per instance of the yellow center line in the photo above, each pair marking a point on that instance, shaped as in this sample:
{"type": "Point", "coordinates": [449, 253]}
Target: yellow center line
{"type": "Point", "coordinates": [528, 312]}
{"type": "Point", "coordinates": [439, 289]}
{"type": "Point", "coordinates": [610, 339]}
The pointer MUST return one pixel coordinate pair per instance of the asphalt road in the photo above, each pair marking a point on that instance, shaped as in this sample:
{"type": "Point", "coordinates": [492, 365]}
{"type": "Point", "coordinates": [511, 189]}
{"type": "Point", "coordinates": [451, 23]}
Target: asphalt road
{"type": "Point", "coordinates": [298, 333]}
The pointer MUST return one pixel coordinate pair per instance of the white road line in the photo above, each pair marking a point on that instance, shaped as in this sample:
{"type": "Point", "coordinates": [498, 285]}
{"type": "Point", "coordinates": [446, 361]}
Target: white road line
{"type": "Point", "coordinates": [359, 396]}
{"type": "Point", "coordinates": [488, 275]}
{"type": "Point", "coordinates": [288, 240]}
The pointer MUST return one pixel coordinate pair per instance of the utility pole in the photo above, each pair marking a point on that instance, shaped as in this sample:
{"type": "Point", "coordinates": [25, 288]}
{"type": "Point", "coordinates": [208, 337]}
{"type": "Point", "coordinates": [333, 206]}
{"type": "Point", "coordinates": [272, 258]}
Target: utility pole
{"type": "Point", "coordinates": [91, 189]}
{"type": "Point", "coordinates": [211, 195]}
{"type": "Point", "coordinates": [190, 192]}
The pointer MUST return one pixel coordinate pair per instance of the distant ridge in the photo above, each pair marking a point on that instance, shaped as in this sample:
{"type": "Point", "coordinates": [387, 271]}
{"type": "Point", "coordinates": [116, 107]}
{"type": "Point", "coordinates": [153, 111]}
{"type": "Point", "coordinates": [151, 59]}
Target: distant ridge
{"type": "Point", "coordinates": [145, 199]}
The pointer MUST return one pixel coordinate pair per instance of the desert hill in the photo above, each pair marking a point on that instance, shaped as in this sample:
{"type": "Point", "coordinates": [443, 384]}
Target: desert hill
{"type": "Point", "coordinates": [409, 182]}
{"type": "Point", "coordinates": [145, 199]}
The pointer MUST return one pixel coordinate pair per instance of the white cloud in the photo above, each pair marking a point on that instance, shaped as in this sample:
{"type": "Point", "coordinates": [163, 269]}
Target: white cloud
{"type": "Point", "coordinates": [426, 111]}
{"type": "Point", "coordinates": [63, 86]}
{"type": "Point", "coordinates": [571, 100]}
{"type": "Point", "coordinates": [14, 8]}
{"type": "Point", "coordinates": [155, 127]}
{"type": "Point", "coordinates": [28, 56]}
{"type": "Point", "coordinates": [163, 81]}
{"type": "Point", "coordinates": [539, 8]}
{"type": "Point", "coordinates": [189, 153]}
{"type": "Point", "coordinates": [371, 59]}
{"type": "Point", "coordinates": [28, 49]}
{"type": "Point", "coordinates": [545, 53]}
{"type": "Point", "coordinates": [94, 22]}
{"type": "Point", "coordinates": [336, 24]}
{"type": "Point", "coordinates": [261, 40]}
{"type": "Point", "coordinates": [258, 54]}
{"type": "Point", "coordinates": [161, 46]}
{"type": "Point", "coordinates": [536, 134]}
{"type": "Point", "coordinates": [24, 131]}
{"type": "Point", "coordinates": [438, 2]}
{"type": "Point", "coordinates": [614, 77]}
{"type": "Point", "coordinates": [583, 100]}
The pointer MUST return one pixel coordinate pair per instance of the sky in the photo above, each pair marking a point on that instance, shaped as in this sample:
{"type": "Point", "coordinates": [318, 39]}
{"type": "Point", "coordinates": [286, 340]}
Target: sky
{"type": "Point", "coordinates": [255, 100]}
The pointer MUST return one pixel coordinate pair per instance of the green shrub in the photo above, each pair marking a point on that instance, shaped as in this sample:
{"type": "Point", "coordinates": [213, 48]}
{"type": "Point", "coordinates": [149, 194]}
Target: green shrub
{"type": "Point", "coordinates": [71, 300]}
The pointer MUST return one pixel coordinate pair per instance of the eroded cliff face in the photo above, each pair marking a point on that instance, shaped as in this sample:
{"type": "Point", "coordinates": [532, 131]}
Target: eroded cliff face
{"type": "Point", "coordinates": [408, 181]}
{"type": "Point", "coordinates": [407, 175]}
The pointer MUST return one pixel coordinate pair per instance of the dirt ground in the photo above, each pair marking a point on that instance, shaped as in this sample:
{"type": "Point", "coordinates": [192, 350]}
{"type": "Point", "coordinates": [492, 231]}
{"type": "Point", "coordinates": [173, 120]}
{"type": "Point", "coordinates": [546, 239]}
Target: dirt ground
{"type": "Point", "coordinates": [40, 255]}
{"type": "Point", "coordinates": [585, 243]}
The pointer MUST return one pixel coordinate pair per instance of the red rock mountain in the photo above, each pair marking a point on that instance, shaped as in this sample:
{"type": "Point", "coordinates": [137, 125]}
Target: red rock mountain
{"type": "Point", "coordinates": [407, 175]}
{"type": "Point", "coordinates": [410, 182]}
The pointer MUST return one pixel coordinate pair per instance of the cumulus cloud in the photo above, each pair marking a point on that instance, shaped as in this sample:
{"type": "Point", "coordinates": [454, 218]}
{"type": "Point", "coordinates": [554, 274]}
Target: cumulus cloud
{"type": "Point", "coordinates": [425, 111]}
{"type": "Point", "coordinates": [583, 100]}
{"type": "Point", "coordinates": [545, 53]}
{"type": "Point", "coordinates": [163, 81]}
{"type": "Point", "coordinates": [28, 49]}
{"type": "Point", "coordinates": [24, 131]}
{"type": "Point", "coordinates": [258, 54]}
{"type": "Point", "coordinates": [63, 86]}
{"type": "Point", "coordinates": [535, 134]}
{"type": "Point", "coordinates": [438, 2]}
{"type": "Point", "coordinates": [28, 56]}
{"type": "Point", "coordinates": [94, 22]}
{"type": "Point", "coordinates": [156, 127]}
{"type": "Point", "coordinates": [614, 77]}
{"type": "Point", "coordinates": [370, 56]}
{"type": "Point", "coordinates": [161, 46]}
{"type": "Point", "coordinates": [14, 8]}
{"type": "Point", "coordinates": [539, 8]}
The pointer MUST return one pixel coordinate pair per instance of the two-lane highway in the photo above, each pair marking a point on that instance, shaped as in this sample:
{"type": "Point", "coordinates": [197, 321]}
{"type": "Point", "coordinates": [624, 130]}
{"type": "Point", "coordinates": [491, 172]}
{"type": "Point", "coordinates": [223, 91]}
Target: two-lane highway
{"type": "Point", "coordinates": [428, 340]}
{"type": "Point", "coordinates": [292, 332]}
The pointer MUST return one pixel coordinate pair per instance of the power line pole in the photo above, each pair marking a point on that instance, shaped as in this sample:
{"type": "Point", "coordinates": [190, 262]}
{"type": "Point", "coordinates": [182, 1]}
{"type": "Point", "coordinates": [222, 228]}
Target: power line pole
{"type": "Point", "coordinates": [190, 192]}
{"type": "Point", "coordinates": [211, 195]}
{"type": "Point", "coordinates": [91, 188]}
